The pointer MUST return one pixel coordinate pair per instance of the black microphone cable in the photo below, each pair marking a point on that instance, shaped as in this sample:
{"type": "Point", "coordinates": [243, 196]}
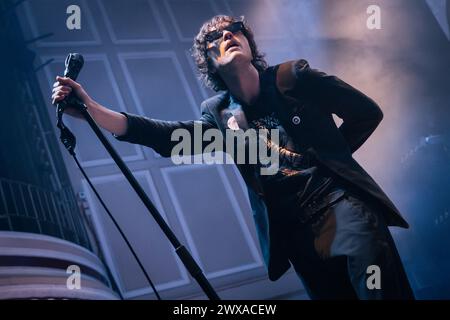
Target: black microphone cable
{"type": "Point", "coordinates": [118, 228]}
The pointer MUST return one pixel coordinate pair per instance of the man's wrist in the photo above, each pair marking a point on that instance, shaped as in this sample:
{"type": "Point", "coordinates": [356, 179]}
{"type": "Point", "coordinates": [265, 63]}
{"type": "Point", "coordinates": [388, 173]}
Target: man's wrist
{"type": "Point", "coordinates": [92, 106]}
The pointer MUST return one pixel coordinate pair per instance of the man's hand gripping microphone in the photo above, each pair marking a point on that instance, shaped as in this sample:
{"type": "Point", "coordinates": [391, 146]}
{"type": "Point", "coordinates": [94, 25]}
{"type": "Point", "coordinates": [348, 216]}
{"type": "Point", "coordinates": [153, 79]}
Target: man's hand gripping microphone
{"type": "Point", "coordinates": [74, 62]}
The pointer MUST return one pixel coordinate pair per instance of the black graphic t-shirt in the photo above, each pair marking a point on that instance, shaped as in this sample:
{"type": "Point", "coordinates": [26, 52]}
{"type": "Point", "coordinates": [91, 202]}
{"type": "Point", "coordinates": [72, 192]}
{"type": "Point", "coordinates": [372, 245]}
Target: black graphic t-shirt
{"type": "Point", "coordinates": [298, 177]}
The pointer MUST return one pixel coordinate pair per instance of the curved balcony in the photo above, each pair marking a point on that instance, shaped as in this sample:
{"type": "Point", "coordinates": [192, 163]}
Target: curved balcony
{"type": "Point", "coordinates": [42, 236]}
{"type": "Point", "coordinates": [35, 266]}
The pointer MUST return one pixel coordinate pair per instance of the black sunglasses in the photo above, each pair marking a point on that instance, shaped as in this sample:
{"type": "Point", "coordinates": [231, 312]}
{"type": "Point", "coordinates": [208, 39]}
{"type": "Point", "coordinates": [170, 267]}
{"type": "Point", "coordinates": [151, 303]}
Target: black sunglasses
{"type": "Point", "coordinates": [233, 28]}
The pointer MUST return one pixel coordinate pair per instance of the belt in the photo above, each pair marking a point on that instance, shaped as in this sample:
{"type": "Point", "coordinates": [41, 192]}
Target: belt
{"type": "Point", "coordinates": [314, 209]}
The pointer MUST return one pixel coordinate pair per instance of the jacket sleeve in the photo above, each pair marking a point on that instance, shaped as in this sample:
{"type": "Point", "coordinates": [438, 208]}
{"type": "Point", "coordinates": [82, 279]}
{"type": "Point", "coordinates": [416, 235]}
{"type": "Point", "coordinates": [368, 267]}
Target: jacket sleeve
{"type": "Point", "coordinates": [360, 114]}
{"type": "Point", "coordinates": [157, 134]}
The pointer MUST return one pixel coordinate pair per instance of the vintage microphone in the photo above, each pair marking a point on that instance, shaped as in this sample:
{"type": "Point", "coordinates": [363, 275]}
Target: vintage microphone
{"type": "Point", "coordinates": [74, 63]}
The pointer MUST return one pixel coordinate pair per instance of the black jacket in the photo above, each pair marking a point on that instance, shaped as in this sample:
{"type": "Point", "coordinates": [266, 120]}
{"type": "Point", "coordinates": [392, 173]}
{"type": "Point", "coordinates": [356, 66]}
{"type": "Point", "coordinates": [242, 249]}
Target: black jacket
{"type": "Point", "coordinates": [312, 96]}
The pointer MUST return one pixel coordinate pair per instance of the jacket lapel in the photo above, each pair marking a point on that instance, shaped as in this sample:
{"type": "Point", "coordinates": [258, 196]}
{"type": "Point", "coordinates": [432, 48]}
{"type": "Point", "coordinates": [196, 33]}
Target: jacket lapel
{"type": "Point", "coordinates": [216, 104]}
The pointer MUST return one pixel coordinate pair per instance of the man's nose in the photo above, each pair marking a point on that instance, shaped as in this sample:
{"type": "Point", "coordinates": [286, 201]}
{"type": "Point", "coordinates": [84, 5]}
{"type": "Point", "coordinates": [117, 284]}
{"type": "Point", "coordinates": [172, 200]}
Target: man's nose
{"type": "Point", "coordinates": [227, 35]}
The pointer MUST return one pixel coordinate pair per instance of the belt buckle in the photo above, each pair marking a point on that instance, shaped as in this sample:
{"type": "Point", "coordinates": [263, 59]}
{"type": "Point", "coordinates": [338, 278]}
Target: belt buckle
{"type": "Point", "coordinates": [309, 211]}
{"type": "Point", "coordinates": [313, 206]}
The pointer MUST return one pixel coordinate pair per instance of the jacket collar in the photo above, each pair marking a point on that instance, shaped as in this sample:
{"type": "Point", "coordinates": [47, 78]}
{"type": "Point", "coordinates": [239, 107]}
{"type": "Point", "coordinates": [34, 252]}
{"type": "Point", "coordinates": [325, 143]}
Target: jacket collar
{"type": "Point", "coordinates": [222, 100]}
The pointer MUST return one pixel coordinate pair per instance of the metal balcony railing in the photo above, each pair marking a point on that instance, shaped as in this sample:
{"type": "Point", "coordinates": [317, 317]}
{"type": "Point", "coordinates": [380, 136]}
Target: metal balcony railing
{"type": "Point", "coordinates": [28, 208]}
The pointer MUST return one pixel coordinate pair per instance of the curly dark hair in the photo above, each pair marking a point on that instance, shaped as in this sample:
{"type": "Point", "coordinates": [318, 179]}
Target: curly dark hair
{"type": "Point", "coordinates": [208, 75]}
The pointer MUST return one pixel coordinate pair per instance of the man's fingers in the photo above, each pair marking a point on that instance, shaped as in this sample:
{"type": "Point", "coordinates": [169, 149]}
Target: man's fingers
{"type": "Point", "coordinates": [56, 99]}
{"type": "Point", "coordinates": [64, 89]}
{"type": "Point", "coordinates": [58, 96]}
{"type": "Point", "coordinates": [66, 81]}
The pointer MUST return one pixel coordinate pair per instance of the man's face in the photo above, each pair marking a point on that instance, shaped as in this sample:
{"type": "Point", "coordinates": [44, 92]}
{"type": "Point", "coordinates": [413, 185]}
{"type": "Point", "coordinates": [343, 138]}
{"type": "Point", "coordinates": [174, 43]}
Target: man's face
{"type": "Point", "coordinates": [228, 46]}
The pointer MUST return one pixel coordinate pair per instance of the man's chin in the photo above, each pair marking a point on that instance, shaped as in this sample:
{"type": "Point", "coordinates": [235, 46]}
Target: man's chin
{"type": "Point", "coordinates": [234, 57]}
{"type": "Point", "coordinates": [234, 53]}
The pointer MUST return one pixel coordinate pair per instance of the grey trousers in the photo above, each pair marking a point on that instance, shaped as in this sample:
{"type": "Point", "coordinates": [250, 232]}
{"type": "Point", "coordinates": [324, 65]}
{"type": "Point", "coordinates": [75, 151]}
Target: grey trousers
{"type": "Point", "coordinates": [348, 254]}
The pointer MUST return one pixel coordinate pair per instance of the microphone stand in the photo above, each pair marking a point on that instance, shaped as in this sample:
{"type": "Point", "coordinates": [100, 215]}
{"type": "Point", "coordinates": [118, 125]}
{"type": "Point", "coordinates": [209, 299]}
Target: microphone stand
{"type": "Point", "coordinates": [68, 140]}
